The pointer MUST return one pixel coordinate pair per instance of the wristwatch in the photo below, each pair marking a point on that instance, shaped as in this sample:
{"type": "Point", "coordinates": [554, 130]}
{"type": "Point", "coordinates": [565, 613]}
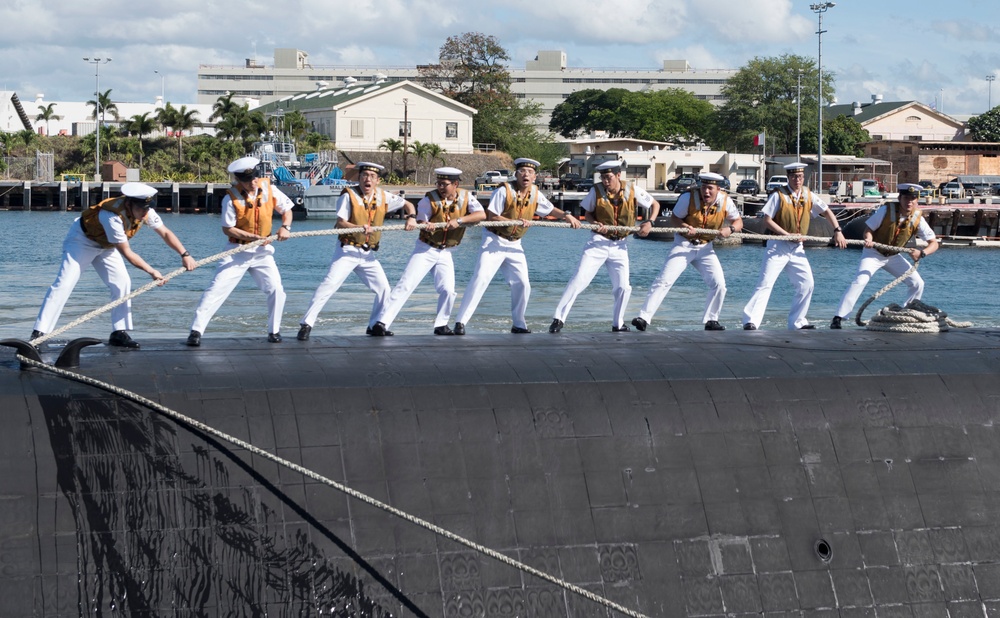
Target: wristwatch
{"type": "Point", "coordinates": [732, 229]}
{"type": "Point", "coordinates": [287, 227]}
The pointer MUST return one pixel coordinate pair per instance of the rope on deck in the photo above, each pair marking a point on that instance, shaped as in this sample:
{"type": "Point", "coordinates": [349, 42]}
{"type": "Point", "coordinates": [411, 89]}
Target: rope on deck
{"type": "Point", "coordinates": [207, 429]}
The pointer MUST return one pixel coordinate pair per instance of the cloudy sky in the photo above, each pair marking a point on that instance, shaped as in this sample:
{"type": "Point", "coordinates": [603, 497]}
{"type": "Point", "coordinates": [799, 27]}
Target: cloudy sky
{"type": "Point", "coordinates": [936, 52]}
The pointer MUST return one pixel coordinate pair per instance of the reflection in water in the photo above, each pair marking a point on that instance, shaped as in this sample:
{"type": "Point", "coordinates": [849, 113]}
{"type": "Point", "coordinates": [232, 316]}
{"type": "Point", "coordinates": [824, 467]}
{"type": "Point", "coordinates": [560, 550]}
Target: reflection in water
{"type": "Point", "coordinates": [160, 525]}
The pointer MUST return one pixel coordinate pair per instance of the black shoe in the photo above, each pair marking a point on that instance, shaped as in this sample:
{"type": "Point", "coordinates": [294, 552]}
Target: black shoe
{"type": "Point", "coordinates": [120, 339]}
{"type": "Point", "coordinates": [378, 330]}
{"type": "Point", "coordinates": [749, 326]}
{"type": "Point", "coordinates": [556, 326]}
{"type": "Point", "coordinates": [459, 328]}
{"type": "Point", "coordinates": [620, 329]}
{"type": "Point", "coordinates": [194, 339]}
{"type": "Point", "coordinates": [517, 330]}
{"type": "Point", "coordinates": [274, 337]}
{"type": "Point", "coordinates": [640, 324]}
{"type": "Point", "coordinates": [443, 330]}
{"type": "Point", "coordinates": [714, 325]}
{"type": "Point", "coordinates": [304, 331]}
{"type": "Point", "coordinates": [808, 327]}
{"type": "Point", "coordinates": [835, 322]}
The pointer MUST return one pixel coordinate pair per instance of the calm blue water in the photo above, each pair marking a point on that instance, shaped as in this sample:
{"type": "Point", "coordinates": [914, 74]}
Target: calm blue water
{"type": "Point", "coordinates": [962, 281]}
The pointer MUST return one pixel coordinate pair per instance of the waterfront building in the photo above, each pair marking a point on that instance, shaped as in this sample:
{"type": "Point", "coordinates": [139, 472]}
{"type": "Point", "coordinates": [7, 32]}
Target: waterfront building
{"type": "Point", "coordinates": [900, 120]}
{"type": "Point", "coordinates": [546, 80]}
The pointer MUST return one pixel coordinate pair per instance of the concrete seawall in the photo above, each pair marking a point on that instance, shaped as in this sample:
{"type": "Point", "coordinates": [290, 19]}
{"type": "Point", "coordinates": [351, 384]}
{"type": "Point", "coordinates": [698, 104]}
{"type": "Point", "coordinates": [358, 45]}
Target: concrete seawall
{"type": "Point", "coordinates": [701, 474]}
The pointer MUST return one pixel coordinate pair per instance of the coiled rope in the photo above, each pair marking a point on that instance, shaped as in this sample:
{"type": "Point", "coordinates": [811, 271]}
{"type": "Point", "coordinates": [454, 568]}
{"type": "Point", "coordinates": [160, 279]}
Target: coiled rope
{"type": "Point", "coordinates": [207, 429]}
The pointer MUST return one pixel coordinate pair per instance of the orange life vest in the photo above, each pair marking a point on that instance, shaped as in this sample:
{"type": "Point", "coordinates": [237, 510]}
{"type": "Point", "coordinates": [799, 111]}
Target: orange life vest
{"type": "Point", "coordinates": [91, 222]}
{"type": "Point", "coordinates": [894, 232]}
{"type": "Point", "coordinates": [254, 214]}
{"type": "Point", "coordinates": [705, 216]}
{"type": "Point", "coordinates": [617, 211]}
{"type": "Point", "coordinates": [517, 207]}
{"type": "Point", "coordinates": [793, 214]}
{"type": "Point", "coordinates": [441, 213]}
{"type": "Point", "coordinates": [371, 212]}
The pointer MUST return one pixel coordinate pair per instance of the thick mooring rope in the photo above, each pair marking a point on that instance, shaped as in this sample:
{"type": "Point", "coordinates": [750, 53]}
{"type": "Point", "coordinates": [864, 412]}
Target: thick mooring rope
{"type": "Point", "coordinates": [207, 429]}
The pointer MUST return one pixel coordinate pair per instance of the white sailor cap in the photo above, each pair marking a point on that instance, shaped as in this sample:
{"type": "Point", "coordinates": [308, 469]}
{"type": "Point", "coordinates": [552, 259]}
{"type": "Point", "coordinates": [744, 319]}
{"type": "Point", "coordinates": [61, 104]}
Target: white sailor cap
{"type": "Point", "coordinates": [448, 173]}
{"type": "Point", "coordinates": [710, 178]}
{"type": "Point", "coordinates": [791, 167]}
{"type": "Point", "coordinates": [910, 189]}
{"type": "Point", "coordinates": [138, 191]}
{"type": "Point", "coordinates": [526, 162]}
{"type": "Point", "coordinates": [612, 166]}
{"type": "Point", "coordinates": [365, 166]}
{"type": "Point", "coordinates": [243, 164]}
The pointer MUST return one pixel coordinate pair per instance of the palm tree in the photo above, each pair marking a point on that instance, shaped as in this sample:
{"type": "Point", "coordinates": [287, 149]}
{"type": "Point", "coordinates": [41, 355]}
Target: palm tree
{"type": "Point", "coordinates": [140, 125]}
{"type": "Point", "coordinates": [179, 120]}
{"type": "Point", "coordinates": [105, 104]}
{"type": "Point", "coordinates": [200, 152]}
{"type": "Point", "coordinates": [47, 113]}
{"type": "Point", "coordinates": [393, 146]}
{"type": "Point", "coordinates": [224, 106]}
{"type": "Point", "coordinates": [434, 152]}
{"type": "Point", "coordinates": [421, 151]}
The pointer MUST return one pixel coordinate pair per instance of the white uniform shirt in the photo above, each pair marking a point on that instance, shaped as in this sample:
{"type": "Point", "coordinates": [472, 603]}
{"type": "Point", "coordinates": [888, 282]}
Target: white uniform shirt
{"type": "Point", "coordinates": [642, 198]}
{"type": "Point", "coordinates": [771, 206]}
{"type": "Point", "coordinates": [393, 203]}
{"type": "Point", "coordinates": [684, 203]}
{"type": "Point", "coordinates": [498, 202]}
{"type": "Point", "coordinates": [924, 231]}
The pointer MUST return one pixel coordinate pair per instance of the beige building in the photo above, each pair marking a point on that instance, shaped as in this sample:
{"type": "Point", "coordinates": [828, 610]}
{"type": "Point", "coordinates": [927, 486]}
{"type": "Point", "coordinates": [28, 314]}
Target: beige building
{"type": "Point", "coordinates": [937, 161]}
{"type": "Point", "coordinates": [359, 117]}
{"type": "Point", "coordinates": [900, 120]}
{"type": "Point", "coordinates": [546, 80]}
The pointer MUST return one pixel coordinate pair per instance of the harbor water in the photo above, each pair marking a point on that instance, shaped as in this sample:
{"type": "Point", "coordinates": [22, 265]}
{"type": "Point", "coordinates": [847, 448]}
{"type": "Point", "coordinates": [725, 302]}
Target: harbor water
{"type": "Point", "coordinates": [962, 281]}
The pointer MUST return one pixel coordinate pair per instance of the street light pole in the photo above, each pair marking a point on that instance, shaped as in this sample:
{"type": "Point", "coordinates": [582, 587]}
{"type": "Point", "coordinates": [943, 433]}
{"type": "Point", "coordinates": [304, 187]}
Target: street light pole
{"type": "Point", "coordinates": [819, 9]}
{"type": "Point", "coordinates": [989, 96]}
{"type": "Point", "coordinates": [406, 135]}
{"type": "Point", "coordinates": [163, 98]}
{"type": "Point", "coordinates": [98, 112]}
{"type": "Point", "coordinates": [798, 116]}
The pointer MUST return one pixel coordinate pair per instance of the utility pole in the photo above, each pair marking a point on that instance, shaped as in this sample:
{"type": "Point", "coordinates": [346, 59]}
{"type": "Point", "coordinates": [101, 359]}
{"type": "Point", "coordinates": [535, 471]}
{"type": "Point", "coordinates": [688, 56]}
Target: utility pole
{"type": "Point", "coordinates": [819, 9]}
{"type": "Point", "coordinates": [98, 112]}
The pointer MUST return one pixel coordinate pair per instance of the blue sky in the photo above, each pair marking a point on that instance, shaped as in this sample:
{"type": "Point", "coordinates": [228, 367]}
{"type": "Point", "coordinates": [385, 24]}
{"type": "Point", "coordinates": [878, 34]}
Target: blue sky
{"type": "Point", "coordinates": [935, 52]}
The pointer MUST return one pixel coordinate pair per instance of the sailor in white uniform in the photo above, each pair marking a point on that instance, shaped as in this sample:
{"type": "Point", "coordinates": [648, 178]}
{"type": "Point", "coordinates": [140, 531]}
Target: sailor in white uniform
{"type": "Point", "coordinates": [365, 207]}
{"type": "Point", "coordinates": [247, 211]}
{"type": "Point", "coordinates": [501, 248]}
{"type": "Point", "coordinates": [611, 203]}
{"type": "Point", "coordinates": [455, 207]}
{"type": "Point", "coordinates": [787, 212]}
{"type": "Point", "coordinates": [100, 238]}
{"type": "Point", "coordinates": [703, 207]}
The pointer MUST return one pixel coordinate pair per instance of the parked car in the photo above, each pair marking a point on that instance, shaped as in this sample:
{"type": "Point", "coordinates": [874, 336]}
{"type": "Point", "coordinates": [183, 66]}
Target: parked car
{"type": "Point", "coordinates": [927, 184]}
{"type": "Point", "coordinates": [725, 185]}
{"type": "Point", "coordinates": [568, 181]}
{"type": "Point", "coordinates": [748, 186]}
{"type": "Point", "coordinates": [953, 190]}
{"type": "Point", "coordinates": [584, 185]}
{"type": "Point", "coordinates": [672, 183]}
{"type": "Point", "coordinates": [684, 183]}
{"type": "Point", "coordinates": [776, 182]}
{"type": "Point", "coordinates": [870, 187]}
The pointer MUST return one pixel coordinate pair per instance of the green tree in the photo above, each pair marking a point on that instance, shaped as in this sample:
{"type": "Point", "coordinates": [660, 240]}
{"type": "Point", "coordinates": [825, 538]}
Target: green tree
{"type": "Point", "coordinates": [106, 105]}
{"type": "Point", "coordinates": [46, 114]}
{"type": "Point", "coordinates": [223, 106]}
{"type": "Point", "coordinates": [139, 126]}
{"type": "Point", "coordinates": [842, 135]}
{"type": "Point", "coordinates": [584, 111]}
{"type": "Point", "coordinates": [663, 115]}
{"type": "Point", "coordinates": [179, 121]}
{"type": "Point", "coordinates": [420, 151]}
{"type": "Point", "coordinates": [985, 127]}
{"type": "Point", "coordinates": [200, 152]}
{"type": "Point", "coordinates": [472, 70]}
{"type": "Point", "coordinates": [393, 146]}
{"type": "Point", "coordinates": [762, 97]}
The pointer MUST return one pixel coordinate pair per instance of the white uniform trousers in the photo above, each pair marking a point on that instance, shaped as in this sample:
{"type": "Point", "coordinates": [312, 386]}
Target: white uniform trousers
{"type": "Point", "coordinates": [498, 254]}
{"type": "Point", "coordinates": [703, 258]}
{"type": "Point", "coordinates": [871, 262]}
{"type": "Point", "coordinates": [424, 258]}
{"type": "Point", "coordinates": [348, 259]}
{"type": "Point", "coordinates": [782, 256]}
{"type": "Point", "coordinates": [78, 252]}
{"type": "Point", "coordinates": [600, 251]}
{"type": "Point", "coordinates": [263, 269]}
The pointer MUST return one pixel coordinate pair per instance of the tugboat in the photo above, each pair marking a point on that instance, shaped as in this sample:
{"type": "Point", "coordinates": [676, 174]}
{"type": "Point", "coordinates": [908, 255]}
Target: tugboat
{"type": "Point", "coordinates": [313, 182]}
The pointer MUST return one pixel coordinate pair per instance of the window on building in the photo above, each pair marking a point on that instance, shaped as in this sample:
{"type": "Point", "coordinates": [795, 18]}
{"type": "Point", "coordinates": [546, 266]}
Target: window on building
{"type": "Point", "coordinates": [915, 138]}
{"type": "Point", "coordinates": [405, 128]}
{"type": "Point", "coordinates": [357, 128]}
{"type": "Point", "coordinates": [876, 137]}
{"type": "Point", "coordinates": [451, 130]}
{"type": "Point", "coordinates": [913, 119]}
